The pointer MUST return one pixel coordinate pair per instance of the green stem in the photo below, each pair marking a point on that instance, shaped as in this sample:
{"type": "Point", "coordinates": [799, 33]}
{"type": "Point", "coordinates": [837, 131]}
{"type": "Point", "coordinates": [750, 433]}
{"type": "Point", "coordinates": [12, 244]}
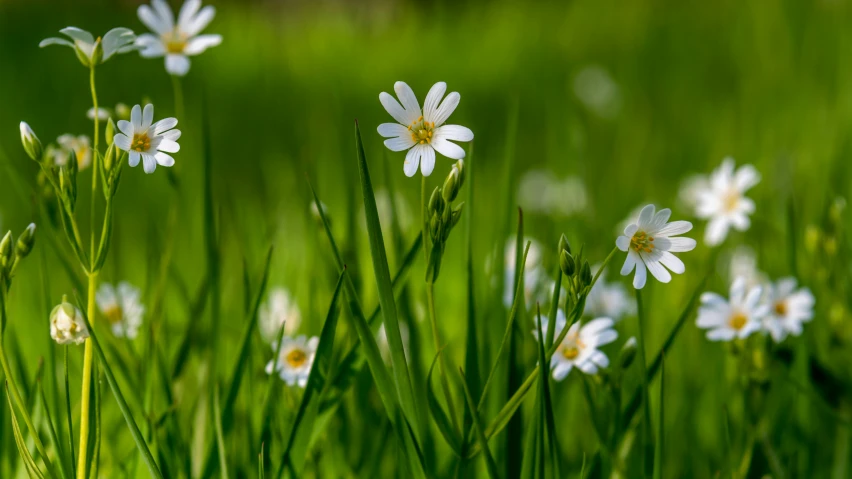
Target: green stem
{"type": "Point", "coordinates": [643, 371]}
{"type": "Point", "coordinates": [430, 293]}
{"type": "Point", "coordinates": [88, 359]}
{"type": "Point", "coordinates": [424, 205]}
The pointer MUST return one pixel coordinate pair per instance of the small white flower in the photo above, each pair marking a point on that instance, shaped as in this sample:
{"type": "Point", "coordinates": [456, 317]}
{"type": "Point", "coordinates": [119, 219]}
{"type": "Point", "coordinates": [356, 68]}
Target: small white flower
{"type": "Point", "coordinates": [295, 360]}
{"type": "Point", "coordinates": [148, 141]}
{"type": "Point", "coordinates": [67, 325]}
{"type": "Point", "coordinates": [789, 308]}
{"type": "Point", "coordinates": [533, 272]}
{"type": "Point", "coordinates": [103, 113]}
{"type": "Point", "coordinates": [176, 41]}
{"type": "Point", "coordinates": [280, 308]}
{"type": "Point", "coordinates": [609, 299]}
{"type": "Point", "coordinates": [650, 243]}
{"type": "Point", "coordinates": [122, 307]}
{"type": "Point", "coordinates": [117, 40]}
{"type": "Point", "coordinates": [737, 317]}
{"type": "Point", "coordinates": [79, 145]}
{"type": "Point", "coordinates": [580, 346]}
{"type": "Point", "coordinates": [422, 133]}
{"type": "Point", "coordinates": [724, 203]}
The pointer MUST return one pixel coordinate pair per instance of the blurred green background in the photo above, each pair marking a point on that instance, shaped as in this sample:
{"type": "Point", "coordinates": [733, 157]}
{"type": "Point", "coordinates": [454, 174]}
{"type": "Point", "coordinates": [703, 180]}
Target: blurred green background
{"type": "Point", "coordinates": [627, 97]}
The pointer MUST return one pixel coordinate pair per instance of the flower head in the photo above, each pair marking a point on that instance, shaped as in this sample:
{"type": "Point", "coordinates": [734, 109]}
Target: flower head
{"type": "Point", "coordinates": [580, 346]}
{"type": "Point", "coordinates": [789, 308]}
{"type": "Point", "coordinates": [737, 317]}
{"type": "Point", "coordinates": [650, 242]}
{"type": "Point", "coordinates": [122, 307]}
{"type": "Point", "coordinates": [79, 145]}
{"type": "Point", "coordinates": [67, 325]}
{"type": "Point", "coordinates": [148, 141]}
{"type": "Point", "coordinates": [422, 132]}
{"type": "Point", "coordinates": [609, 299]}
{"type": "Point", "coordinates": [31, 143]}
{"type": "Point", "coordinates": [91, 51]}
{"type": "Point", "coordinates": [279, 309]}
{"type": "Point", "coordinates": [723, 201]}
{"type": "Point", "coordinates": [177, 41]}
{"type": "Point", "coordinates": [295, 360]}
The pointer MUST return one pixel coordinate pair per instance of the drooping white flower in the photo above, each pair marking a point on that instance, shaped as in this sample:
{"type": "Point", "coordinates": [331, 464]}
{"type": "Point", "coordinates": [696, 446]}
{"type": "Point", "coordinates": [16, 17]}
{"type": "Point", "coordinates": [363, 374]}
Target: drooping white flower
{"type": "Point", "coordinates": [737, 317]}
{"type": "Point", "coordinates": [90, 51]}
{"type": "Point", "coordinates": [422, 132]}
{"type": "Point", "coordinates": [177, 41]}
{"type": "Point", "coordinates": [789, 308]}
{"type": "Point", "coordinates": [650, 242]}
{"type": "Point", "coordinates": [79, 145]}
{"type": "Point", "coordinates": [580, 347]}
{"type": "Point", "coordinates": [148, 141]}
{"type": "Point", "coordinates": [533, 272]}
{"type": "Point", "coordinates": [122, 306]}
{"type": "Point", "coordinates": [279, 309]}
{"type": "Point", "coordinates": [609, 299]}
{"type": "Point", "coordinates": [295, 360]}
{"type": "Point", "coordinates": [67, 325]}
{"type": "Point", "coordinates": [724, 203]}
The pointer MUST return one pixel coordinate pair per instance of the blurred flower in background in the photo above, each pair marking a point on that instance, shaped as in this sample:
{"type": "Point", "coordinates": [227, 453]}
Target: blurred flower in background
{"type": "Point", "coordinates": [734, 318]}
{"type": "Point", "coordinates": [384, 346]}
{"type": "Point", "coordinates": [122, 307]}
{"type": "Point", "coordinates": [723, 201]}
{"type": "Point", "coordinates": [534, 273]}
{"type": "Point", "coordinates": [280, 308]}
{"type": "Point", "coordinates": [789, 308]}
{"type": "Point", "coordinates": [81, 147]}
{"type": "Point", "coordinates": [176, 41]}
{"type": "Point", "coordinates": [743, 264]}
{"type": "Point", "coordinates": [539, 191]}
{"type": "Point", "coordinates": [580, 347]}
{"type": "Point", "coordinates": [690, 191]}
{"type": "Point", "coordinates": [295, 360]}
{"type": "Point", "coordinates": [609, 299]}
{"type": "Point", "coordinates": [596, 89]}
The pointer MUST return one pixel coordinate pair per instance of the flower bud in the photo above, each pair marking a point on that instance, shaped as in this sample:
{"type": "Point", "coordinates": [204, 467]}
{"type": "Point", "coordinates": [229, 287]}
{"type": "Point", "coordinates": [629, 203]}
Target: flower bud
{"type": "Point", "coordinates": [436, 202]}
{"type": "Point", "coordinates": [628, 353]}
{"type": "Point", "coordinates": [435, 225]}
{"type": "Point", "coordinates": [98, 52]}
{"type": "Point", "coordinates": [813, 237]}
{"type": "Point", "coordinates": [31, 143]}
{"type": "Point", "coordinates": [67, 325]}
{"type": "Point", "coordinates": [564, 245]}
{"type": "Point", "coordinates": [26, 241]}
{"type": "Point", "coordinates": [586, 274]}
{"type": "Point", "coordinates": [456, 214]}
{"type": "Point", "coordinates": [5, 251]}
{"type": "Point", "coordinates": [566, 263]}
{"type": "Point", "coordinates": [109, 157]}
{"type": "Point", "coordinates": [451, 185]}
{"type": "Point", "coordinates": [109, 133]}
{"type": "Point", "coordinates": [462, 172]}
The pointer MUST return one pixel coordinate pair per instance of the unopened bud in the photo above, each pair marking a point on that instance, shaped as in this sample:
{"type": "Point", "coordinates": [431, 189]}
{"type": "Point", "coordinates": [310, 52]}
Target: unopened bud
{"type": "Point", "coordinates": [31, 143]}
{"type": "Point", "coordinates": [628, 353]}
{"type": "Point", "coordinates": [456, 214]}
{"type": "Point", "coordinates": [435, 225]}
{"type": "Point", "coordinates": [436, 202]}
{"type": "Point", "coordinates": [566, 263]}
{"type": "Point", "coordinates": [564, 245]}
{"type": "Point", "coordinates": [5, 251]}
{"type": "Point", "coordinates": [452, 184]}
{"type": "Point", "coordinates": [26, 241]}
{"type": "Point", "coordinates": [586, 274]}
{"type": "Point", "coordinates": [109, 133]}
{"type": "Point", "coordinates": [462, 172]}
{"type": "Point", "coordinates": [109, 157]}
{"type": "Point", "coordinates": [98, 52]}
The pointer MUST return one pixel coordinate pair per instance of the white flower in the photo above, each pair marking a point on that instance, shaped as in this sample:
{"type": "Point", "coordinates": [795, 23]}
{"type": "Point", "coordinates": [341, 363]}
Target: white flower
{"type": "Point", "coordinates": [691, 189]}
{"type": "Point", "coordinates": [67, 325]}
{"type": "Point", "coordinates": [580, 346]}
{"type": "Point", "coordinates": [117, 40]}
{"type": "Point", "coordinates": [295, 360]}
{"type": "Point", "coordinates": [103, 113]}
{"type": "Point", "coordinates": [148, 141]}
{"type": "Point", "coordinates": [598, 91]}
{"type": "Point", "coordinates": [737, 317]}
{"type": "Point", "coordinates": [789, 308]}
{"type": "Point", "coordinates": [122, 307]}
{"type": "Point", "coordinates": [79, 145]}
{"type": "Point", "coordinates": [533, 272]}
{"type": "Point", "coordinates": [609, 299]}
{"type": "Point", "coordinates": [724, 203]}
{"type": "Point", "coordinates": [650, 243]}
{"type": "Point", "coordinates": [422, 133]}
{"type": "Point", "coordinates": [31, 143]}
{"type": "Point", "coordinates": [176, 41]}
{"type": "Point", "coordinates": [279, 309]}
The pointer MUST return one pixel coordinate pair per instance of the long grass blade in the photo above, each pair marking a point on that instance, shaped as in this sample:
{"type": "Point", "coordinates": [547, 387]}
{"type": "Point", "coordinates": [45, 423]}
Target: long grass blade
{"type": "Point", "coordinates": [493, 473]}
{"type": "Point", "coordinates": [220, 440]}
{"type": "Point", "coordinates": [26, 456]}
{"type": "Point", "coordinates": [442, 421]}
{"type": "Point", "coordinates": [658, 452]}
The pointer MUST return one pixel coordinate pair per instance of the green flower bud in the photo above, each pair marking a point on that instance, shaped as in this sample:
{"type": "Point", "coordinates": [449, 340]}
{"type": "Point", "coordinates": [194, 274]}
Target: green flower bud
{"type": "Point", "coordinates": [566, 263]}
{"type": "Point", "coordinates": [564, 245]}
{"type": "Point", "coordinates": [462, 172]}
{"type": "Point", "coordinates": [98, 52]}
{"type": "Point", "coordinates": [109, 157]}
{"type": "Point", "coordinates": [26, 241]}
{"type": "Point", "coordinates": [451, 185]}
{"type": "Point", "coordinates": [31, 143]}
{"type": "Point", "coordinates": [435, 225]}
{"type": "Point", "coordinates": [628, 353]}
{"type": "Point", "coordinates": [586, 274]}
{"type": "Point", "coordinates": [436, 202]}
{"type": "Point", "coordinates": [456, 214]}
{"type": "Point", "coordinates": [6, 251]}
{"type": "Point", "coordinates": [110, 131]}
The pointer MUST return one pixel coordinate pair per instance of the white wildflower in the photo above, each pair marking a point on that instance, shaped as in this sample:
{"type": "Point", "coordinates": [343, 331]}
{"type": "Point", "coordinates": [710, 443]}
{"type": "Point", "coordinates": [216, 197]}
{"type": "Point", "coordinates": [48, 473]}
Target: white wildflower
{"type": "Point", "coordinates": [148, 141]}
{"type": "Point", "coordinates": [122, 306]}
{"type": "Point", "coordinates": [295, 360]}
{"type": "Point", "coordinates": [177, 41]}
{"type": "Point", "coordinates": [737, 317]}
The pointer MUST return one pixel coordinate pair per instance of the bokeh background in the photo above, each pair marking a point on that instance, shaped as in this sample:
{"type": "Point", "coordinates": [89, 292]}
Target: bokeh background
{"type": "Point", "coordinates": [610, 105]}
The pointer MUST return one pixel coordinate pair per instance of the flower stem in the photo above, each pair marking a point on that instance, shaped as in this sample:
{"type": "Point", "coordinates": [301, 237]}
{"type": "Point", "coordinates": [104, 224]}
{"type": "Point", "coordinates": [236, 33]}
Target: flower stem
{"type": "Point", "coordinates": [88, 358]}
{"type": "Point", "coordinates": [644, 373]}
{"type": "Point", "coordinates": [430, 293]}
{"type": "Point", "coordinates": [424, 202]}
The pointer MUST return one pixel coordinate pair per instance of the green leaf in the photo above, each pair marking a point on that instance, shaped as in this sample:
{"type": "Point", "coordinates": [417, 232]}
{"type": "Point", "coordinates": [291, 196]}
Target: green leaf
{"type": "Point", "coordinates": [441, 419]}
{"type": "Point", "coordinates": [471, 357]}
{"type": "Point", "coordinates": [646, 440]}
{"type": "Point", "coordinates": [51, 429]}
{"type": "Point", "coordinates": [29, 462]}
{"type": "Point", "coordinates": [546, 400]}
{"type": "Point", "coordinates": [658, 452]}
{"type": "Point", "coordinates": [220, 441]}
{"type": "Point", "coordinates": [477, 427]}
{"type": "Point", "coordinates": [261, 470]}
{"type": "Point", "coordinates": [68, 415]}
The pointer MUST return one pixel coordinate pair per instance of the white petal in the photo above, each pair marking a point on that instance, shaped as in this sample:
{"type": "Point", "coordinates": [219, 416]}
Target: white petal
{"type": "Point", "coordinates": [646, 216]}
{"type": "Point", "coordinates": [629, 263]}
{"type": "Point", "coordinates": [454, 133]}
{"type": "Point", "coordinates": [164, 125]}
{"type": "Point", "coordinates": [171, 135]}
{"type": "Point", "coordinates": [641, 275]}
{"type": "Point", "coordinates": [168, 146]}
{"type": "Point", "coordinates": [400, 144]}
{"type": "Point", "coordinates": [660, 219]}
{"type": "Point", "coordinates": [448, 149]}
{"type": "Point", "coordinates": [393, 130]}
{"type": "Point", "coordinates": [149, 163]}
{"type": "Point", "coordinates": [187, 11]}
{"type": "Point", "coordinates": [406, 97]}
{"type": "Point", "coordinates": [164, 159]}
{"type": "Point", "coordinates": [122, 142]}
{"type": "Point", "coordinates": [412, 161]}
{"type": "Point", "coordinates": [78, 34]}
{"type": "Point", "coordinates": [150, 46]}
{"type": "Point", "coordinates": [165, 12]}
{"type": "Point", "coordinates": [672, 262]}
{"type": "Point", "coordinates": [680, 245]}
{"type": "Point", "coordinates": [623, 242]}
{"type": "Point", "coordinates": [721, 334]}
{"type": "Point", "coordinates": [115, 39]}
{"type": "Point", "coordinates": [737, 291]}
{"type": "Point", "coordinates": [55, 41]}
{"type": "Point", "coordinates": [133, 158]}
{"type": "Point", "coordinates": [746, 177]}
{"type": "Point", "coordinates": [447, 107]}
{"type": "Point", "coordinates": [561, 370]}
{"type": "Point", "coordinates": [427, 160]}
{"type": "Point", "coordinates": [136, 117]}
{"type": "Point", "coordinates": [199, 22]}
{"type": "Point", "coordinates": [630, 229]}
{"type": "Point", "coordinates": [740, 222]}
{"type": "Point", "coordinates": [433, 98]}
{"type": "Point", "coordinates": [656, 269]}
{"type": "Point", "coordinates": [147, 116]}
{"type": "Point", "coordinates": [717, 230]}
{"type": "Point", "coordinates": [177, 64]}
{"type": "Point", "coordinates": [200, 43]}
{"type": "Point", "coordinates": [395, 109]}
{"type": "Point", "coordinates": [675, 228]}
{"type": "Point", "coordinates": [152, 20]}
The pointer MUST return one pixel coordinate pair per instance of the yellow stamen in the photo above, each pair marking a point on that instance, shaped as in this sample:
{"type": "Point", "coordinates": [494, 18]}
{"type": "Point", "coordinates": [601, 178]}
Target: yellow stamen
{"type": "Point", "coordinates": [141, 142]}
{"type": "Point", "coordinates": [781, 308]}
{"type": "Point", "coordinates": [296, 358]}
{"type": "Point", "coordinates": [738, 321]}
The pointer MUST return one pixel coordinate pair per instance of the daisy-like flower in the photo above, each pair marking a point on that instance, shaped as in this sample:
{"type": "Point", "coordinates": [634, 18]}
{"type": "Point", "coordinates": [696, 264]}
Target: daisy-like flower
{"type": "Point", "coordinates": [650, 242]}
{"type": "Point", "coordinates": [724, 203]}
{"type": "Point", "coordinates": [609, 299]}
{"type": "Point", "coordinates": [91, 51]}
{"type": "Point", "coordinates": [280, 308]}
{"type": "Point", "coordinates": [735, 318]}
{"type": "Point", "coordinates": [122, 306]}
{"type": "Point", "coordinates": [79, 145]}
{"type": "Point", "coordinates": [176, 41]}
{"type": "Point", "coordinates": [580, 347]}
{"type": "Point", "coordinates": [422, 132]}
{"type": "Point", "coordinates": [295, 360]}
{"type": "Point", "coordinates": [789, 308]}
{"type": "Point", "coordinates": [148, 141]}
{"type": "Point", "coordinates": [67, 325]}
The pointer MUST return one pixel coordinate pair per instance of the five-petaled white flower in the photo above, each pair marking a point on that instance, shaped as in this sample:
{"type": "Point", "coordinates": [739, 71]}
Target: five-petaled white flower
{"type": "Point", "coordinates": [650, 243]}
{"type": "Point", "coordinates": [608, 299]}
{"type": "Point", "coordinates": [79, 145]}
{"type": "Point", "coordinates": [122, 307]}
{"type": "Point", "coordinates": [280, 309]}
{"type": "Point", "coordinates": [90, 51]}
{"type": "Point", "coordinates": [67, 325]}
{"type": "Point", "coordinates": [295, 360]}
{"type": "Point", "coordinates": [176, 41]}
{"type": "Point", "coordinates": [148, 141]}
{"type": "Point", "coordinates": [788, 309]}
{"type": "Point", "coordinates": [422, 132]}
{"type": "Point", "coordinates": [737, 317]}
{"type": "Point", "coordinates": [580, 347]}
{"type": "Point", "coordinates": [723, 201]}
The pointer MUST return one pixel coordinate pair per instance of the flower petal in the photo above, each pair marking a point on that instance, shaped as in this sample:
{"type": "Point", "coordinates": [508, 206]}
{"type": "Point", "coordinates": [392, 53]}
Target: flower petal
{"type": "Point", "coordinates": [427, 160]}
{"type": "Point", "coordinates": [406, 97]}
{"type": "Point", "coordinates": [136, 118]}
{"type": "Point", "coordinates": [717, 230]}
{"type": "Point", "coordinates": [187, 11]}
{"type": "Point", "coordinates": [746, 177]}
{"type": "Point", "coordinates": [448, 149]}
{"type": "Point", "coordinates": [177, 64]}
{"type": "Point", "coordinates": [122, 142]}
{"type": "Point", "coordinates": [656, 268]}
{"type": "Point", "coordinates": [149, 163]}
{"type": "Point", "coordinates": [55, 41]}
{"type": "Point", "coordinates": [646, 216]}
{"type": "Point", "coordinates": [641, 275]}
{"type": "Point", "coordinates": [675, 228]}
{"type": "Point", "coordinates": [396, 110]}
{"type": "Point", "coordinates": [152, 20]}
{"type": "Point", "coordinates": [433, 99]}
{"type": "Point", "coordinates": [623, 242]}
{"type": "Point", "coordinates": [672, 262]}
{"type": "Point", "coordinates": [78, 34]}
{"type": "Point", "coordinates": [147, 116]}
{"type": "Point", "coordinates": [400, 144]}
{"type": "Point", "coordinates": [165, 12]}
{"type": "Point", "coordinates": [393, 130]}
{"type": "Point", "coordinates": [164, 125]}
{"type": "Point", "coordinates": [133, 158]}
{"type": "Point", "coordinates": [412, 161]}
{"type": "Point", "coordinates": [164, 159]}
{"type": "Point", "coordinates": [629, 263]}
{"type": "Point", "coordinates": [447, 107]}
{"type": "Point", "coordinates": [198, 22]}
{"type": "Point", "coordinates": [454, 133]}
{"type": "Point", "coordinates": [200, 43]}
{"type": "Point", "coordinates": [168, 146]}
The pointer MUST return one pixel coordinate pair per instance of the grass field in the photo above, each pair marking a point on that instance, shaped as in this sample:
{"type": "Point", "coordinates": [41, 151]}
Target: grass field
{"type": "Point", "coordinates": [580, 114]}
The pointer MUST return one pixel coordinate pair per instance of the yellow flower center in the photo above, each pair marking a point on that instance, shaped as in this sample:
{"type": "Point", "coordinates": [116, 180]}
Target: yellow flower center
{"type": "Point", "coordinates": [141, 142]}
{"type": "Point", "coordinates": [641, 242]}
{"type": "Point", "coordinates": [175, 42]}
{"type": "Point", "coordinates": [781, 308]}
{"type": "Point", "coordinates": [296, 358]}
{"type": "Point", "coordinates": [421, 131]}
{"type": "Point", "coordinates": [570, 352]}
{"type": "Point", "coordinates": [114, 314]}
{"type": "Point", "coordinates": [731, 200]}
{"type": "Point", "coordinates": [737, 321]}
{"type": "Point", "coordinates": [571, 347]}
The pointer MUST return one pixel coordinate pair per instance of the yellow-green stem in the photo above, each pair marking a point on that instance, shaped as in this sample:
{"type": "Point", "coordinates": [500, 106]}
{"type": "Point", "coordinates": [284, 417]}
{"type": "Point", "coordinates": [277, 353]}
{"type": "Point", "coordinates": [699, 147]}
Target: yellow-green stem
{"type": "Point", "coordinates": [430, 293]}
{"type": "Point", "coordinates": [88, 357]}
